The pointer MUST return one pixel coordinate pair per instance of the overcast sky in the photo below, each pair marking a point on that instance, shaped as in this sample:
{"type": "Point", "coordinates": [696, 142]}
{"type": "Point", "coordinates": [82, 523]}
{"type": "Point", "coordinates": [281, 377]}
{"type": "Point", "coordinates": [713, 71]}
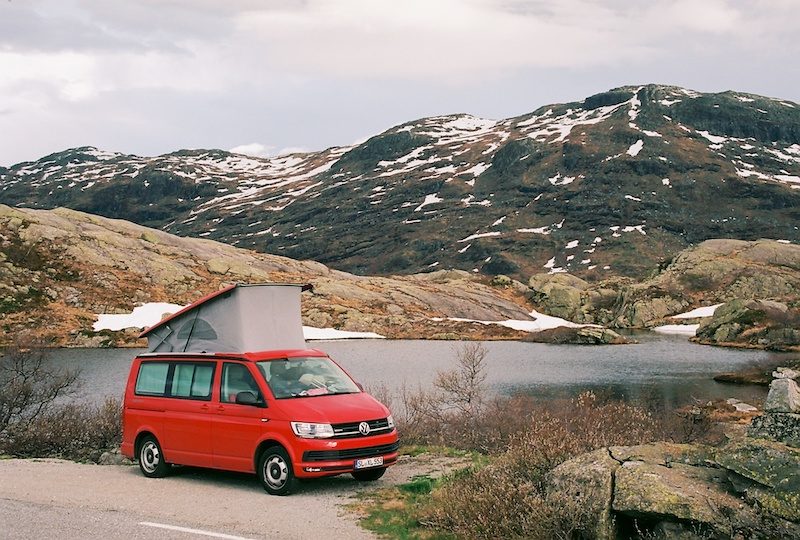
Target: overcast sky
{"type": "Point", "coordinates": [269, 76]}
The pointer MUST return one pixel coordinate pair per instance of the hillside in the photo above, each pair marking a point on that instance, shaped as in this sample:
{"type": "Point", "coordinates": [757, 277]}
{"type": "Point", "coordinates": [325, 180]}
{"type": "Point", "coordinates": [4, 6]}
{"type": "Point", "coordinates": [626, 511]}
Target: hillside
{"type": "Point", "coordinates": [58, 268]}
{"type": "Point", "coordinates": [614, 185]}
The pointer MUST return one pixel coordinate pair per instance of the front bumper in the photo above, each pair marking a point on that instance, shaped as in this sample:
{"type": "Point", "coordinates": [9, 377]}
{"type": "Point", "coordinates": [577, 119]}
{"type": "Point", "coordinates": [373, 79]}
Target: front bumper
{"type": "Point", "coordinates": [327, 457]}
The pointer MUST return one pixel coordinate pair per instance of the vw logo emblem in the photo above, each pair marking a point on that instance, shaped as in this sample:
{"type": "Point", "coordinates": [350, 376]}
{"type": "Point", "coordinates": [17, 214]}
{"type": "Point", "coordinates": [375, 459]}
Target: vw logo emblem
{"type": "Point", "coordinates": [363, 428]}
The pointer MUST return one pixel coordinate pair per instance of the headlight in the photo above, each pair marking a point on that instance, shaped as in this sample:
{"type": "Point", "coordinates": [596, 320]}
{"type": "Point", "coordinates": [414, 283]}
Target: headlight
{"type": "Point", "coordinates": [307, 430]}
{"type": "Point", "coordinates": [390, 421]}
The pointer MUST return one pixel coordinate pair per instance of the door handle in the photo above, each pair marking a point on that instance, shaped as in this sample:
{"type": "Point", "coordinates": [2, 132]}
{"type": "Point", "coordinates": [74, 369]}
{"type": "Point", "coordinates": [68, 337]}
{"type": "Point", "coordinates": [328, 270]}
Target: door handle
{"type": "Point", "coordinates": [265, 419]}
{"type": "Point", "coordinates": [220, 408]}
{"type": "Point", "coordinates": [204, 407]}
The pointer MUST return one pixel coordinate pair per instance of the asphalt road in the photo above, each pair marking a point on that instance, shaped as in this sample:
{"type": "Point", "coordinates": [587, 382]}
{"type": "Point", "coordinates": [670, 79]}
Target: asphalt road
{"type": "Point", "coordinates": [42, 499]}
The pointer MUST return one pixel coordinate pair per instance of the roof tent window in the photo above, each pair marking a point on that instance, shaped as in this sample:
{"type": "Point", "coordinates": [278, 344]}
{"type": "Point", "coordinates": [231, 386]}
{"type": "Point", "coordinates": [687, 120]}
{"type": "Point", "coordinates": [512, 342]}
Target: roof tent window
{"type": "Point", "coordinates": [197, 329]}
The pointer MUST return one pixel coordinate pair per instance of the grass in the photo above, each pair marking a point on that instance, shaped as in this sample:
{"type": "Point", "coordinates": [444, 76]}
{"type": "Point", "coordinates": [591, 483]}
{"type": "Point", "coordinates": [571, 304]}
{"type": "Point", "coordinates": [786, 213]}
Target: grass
{"type": "Point", "coordinates": [395, 512]}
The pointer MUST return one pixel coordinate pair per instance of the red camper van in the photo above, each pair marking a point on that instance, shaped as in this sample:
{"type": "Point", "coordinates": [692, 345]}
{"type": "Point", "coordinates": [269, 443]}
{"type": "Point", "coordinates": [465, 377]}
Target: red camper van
{"type": "Point", "coordinates": [280, 410]}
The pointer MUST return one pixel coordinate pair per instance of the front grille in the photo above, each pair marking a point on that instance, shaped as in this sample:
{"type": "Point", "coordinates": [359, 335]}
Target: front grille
{"type": "Point", "coordinates": [351, 453]}
{"type": "Point", "coordinates": [376, 427]}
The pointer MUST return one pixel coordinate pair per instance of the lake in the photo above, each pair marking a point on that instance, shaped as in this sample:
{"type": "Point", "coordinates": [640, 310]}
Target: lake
{"type": "Point", "coordinates": [661, 368]}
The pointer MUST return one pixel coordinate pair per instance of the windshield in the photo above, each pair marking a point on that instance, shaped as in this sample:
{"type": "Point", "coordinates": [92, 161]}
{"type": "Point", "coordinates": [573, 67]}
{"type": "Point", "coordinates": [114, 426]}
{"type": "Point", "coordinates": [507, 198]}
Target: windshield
{"type": "Point", "coordinates": [301, 377]}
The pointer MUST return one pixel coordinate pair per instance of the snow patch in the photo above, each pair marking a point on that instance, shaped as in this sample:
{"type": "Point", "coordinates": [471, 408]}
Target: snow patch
{"type": "Point", "coordinates": [316, 334]}
{"type": "Point", "coordinates": [538, 322]}
{"type": "Point", "coordinates": [707, 311]}
{"type": "Point", "coordinates": [558, 180]}
{"type": "Point", "coordinates": [682, 329]}
{"type": "Point", "coordinates": [480, 235]}
{"type": "Point", "coordinates": [716, 139]}
{"type": "Point", "coordinates": [429, 199]}
{"type": "Point", "coordinates": [142, 316]}
{"type": "Point", "coordinates": [635, 148]}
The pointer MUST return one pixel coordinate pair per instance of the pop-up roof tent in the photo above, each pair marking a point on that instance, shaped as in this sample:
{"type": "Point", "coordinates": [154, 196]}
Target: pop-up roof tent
{"type": "Point", "coordinates": [238, 318]}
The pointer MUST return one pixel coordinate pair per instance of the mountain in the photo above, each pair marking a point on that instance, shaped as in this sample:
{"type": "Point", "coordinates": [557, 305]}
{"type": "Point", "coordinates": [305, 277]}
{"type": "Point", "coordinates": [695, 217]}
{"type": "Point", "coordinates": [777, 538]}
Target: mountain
{"type": "Point", "coordinates": [614, 185]}
{"type": "Point", "coordinates": [58, 268]}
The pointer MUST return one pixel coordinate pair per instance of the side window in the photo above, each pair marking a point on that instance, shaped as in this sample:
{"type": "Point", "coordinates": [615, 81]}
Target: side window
{"type": "Point", "coordinates": [175, 379]}
{"type": "Point", "coordinates": [192, 380]}
{"type": "Point", "coordinates": [152, 379]}
{"type": "Point", "coordinates": [237, 378]}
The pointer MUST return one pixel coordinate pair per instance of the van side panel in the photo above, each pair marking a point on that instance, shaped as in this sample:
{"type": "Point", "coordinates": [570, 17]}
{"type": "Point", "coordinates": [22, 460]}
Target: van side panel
{"type": "Point", "coordinates": [186, 434]}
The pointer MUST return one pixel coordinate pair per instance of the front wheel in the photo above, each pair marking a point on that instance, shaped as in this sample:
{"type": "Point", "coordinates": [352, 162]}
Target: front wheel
{"type": "Point", "coordinates": [151, 460]}
{"type": "Point", "coordinates": [369, 475]}
{"type": "Point", "coordinates": [275, 471]}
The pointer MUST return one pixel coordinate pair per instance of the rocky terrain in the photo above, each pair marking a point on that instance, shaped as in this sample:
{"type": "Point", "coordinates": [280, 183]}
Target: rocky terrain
{"type": "Point", "coordinates": [755, 324]}
{"type": "Point", "coordinates": [614, 185]}
{"type": "Point", "coordinates": [712, 272]}
{"type": "Point", "coordinates": [59, 268]}
{"type": "Point", "coordinates": [749, 487]}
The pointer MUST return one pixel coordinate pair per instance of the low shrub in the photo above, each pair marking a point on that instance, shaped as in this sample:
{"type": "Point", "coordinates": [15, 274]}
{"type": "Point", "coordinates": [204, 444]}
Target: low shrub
{"type": "Point", "coordinates": [34, 421]}
{"type": "Point", "coordinates": [508, 499]}
{"type": "Point", "coordinates": [79, 432]}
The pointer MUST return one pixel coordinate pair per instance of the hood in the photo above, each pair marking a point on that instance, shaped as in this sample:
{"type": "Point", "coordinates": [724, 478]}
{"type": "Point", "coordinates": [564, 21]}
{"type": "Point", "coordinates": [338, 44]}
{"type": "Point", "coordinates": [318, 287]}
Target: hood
{"type": "Point", "coordinates": [333, 409]}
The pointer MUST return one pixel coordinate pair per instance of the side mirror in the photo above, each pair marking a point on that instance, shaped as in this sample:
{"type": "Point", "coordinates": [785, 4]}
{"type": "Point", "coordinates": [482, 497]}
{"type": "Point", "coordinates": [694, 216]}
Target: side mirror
{"type": "Point", "coordinates": [247, 398]}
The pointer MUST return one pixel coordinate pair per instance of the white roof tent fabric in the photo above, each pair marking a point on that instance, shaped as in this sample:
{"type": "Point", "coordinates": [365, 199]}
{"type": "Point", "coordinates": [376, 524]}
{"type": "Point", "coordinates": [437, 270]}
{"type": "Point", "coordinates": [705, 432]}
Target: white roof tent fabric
{"type": "Point", "coordinates": [238, 318]}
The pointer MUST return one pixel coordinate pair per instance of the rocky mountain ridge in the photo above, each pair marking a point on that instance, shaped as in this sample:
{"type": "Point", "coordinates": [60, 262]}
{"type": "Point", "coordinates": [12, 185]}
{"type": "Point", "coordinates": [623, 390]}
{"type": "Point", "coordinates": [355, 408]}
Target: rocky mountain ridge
{"type": "Point", "coordinates": [614, 185]}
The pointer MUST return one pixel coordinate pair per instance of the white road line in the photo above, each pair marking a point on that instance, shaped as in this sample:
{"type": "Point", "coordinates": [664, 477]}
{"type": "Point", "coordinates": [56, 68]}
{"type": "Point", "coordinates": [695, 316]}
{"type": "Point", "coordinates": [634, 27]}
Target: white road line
{"type": "Point", "coordinates": [192, 531]}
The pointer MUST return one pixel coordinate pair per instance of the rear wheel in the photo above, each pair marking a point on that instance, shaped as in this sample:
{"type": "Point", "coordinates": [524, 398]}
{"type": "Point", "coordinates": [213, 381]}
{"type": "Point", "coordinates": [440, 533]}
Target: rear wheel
{"type": "Point", "coordinates": [151, 460]}
{"type": "Point", "coordinates": [275, 471]}
{"type": "Point", "coordinates": [369, 475]}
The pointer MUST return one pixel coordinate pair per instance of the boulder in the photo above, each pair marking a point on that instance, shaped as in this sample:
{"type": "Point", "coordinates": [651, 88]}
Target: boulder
{"type": "Point", "coordinates": [773, 470]}
{"type": "Point", "coordinates": [781, 427]}
{"type": "Point", "coordinates": [590, 477]}
{"type": "Point", "coordinates": [786, 373]}
{"type": "Point", "coordinates": [583, 335]}
{"type": "Point", "coordinates": [559, 295]}
{"type": "Point", "coordinates": [783, 397]}
{"type": "Point", "coordinates": [746, 489]}
{"type": "Point", "coordinates": [679, 492]}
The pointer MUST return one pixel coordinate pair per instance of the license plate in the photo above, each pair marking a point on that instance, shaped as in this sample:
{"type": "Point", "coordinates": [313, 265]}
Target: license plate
{"type": "Point", "coordinates": [369, 462]}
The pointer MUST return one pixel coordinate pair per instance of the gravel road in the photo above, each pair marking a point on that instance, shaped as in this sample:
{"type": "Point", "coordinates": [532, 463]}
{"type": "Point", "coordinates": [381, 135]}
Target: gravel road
{"type": "Point", "coordinates": [42, 499]}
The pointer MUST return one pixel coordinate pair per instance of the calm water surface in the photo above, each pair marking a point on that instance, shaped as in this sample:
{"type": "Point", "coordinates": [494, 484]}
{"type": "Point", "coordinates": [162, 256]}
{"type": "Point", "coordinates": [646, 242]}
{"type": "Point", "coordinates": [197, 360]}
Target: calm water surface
{"type": "Point", "coordinates": [667, 369]}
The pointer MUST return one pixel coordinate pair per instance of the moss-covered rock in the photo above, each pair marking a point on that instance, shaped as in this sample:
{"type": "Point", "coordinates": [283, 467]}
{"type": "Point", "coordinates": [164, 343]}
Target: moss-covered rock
{"type": "Point", "coordinates": [774, 470]}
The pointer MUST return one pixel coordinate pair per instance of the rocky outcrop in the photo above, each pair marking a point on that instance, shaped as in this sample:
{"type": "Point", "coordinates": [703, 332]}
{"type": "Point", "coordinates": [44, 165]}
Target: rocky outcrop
{"type": "Point", "coordinates": [747, 488]}
{"type": "Point", "coordinates": [585, 335]}
{"type": "Point", "coordinates": [752, 323]}
{"type": "Point", "coordinates": [713, 272]}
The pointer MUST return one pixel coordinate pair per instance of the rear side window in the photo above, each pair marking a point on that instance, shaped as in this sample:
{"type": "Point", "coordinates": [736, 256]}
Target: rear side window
{"type": "Point", "coordinates": [152, 380]}
{"type": "Point", "coordinates": [175, 379]}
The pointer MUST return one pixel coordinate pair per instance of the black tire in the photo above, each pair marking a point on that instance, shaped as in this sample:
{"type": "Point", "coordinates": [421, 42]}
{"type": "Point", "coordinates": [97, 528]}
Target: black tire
{"type": "Point", "coordinates": [369, 475]}
{"type": "Point", "coordinates": [275, 471]}
{"type": "Point", "coordinates": [151, 459]}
